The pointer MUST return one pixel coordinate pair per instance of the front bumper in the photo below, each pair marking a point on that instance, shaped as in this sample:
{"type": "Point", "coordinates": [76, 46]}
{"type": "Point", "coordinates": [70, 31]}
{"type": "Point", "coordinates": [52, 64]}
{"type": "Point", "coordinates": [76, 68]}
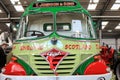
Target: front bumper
{"type": "Point", "coordinates": [76, 77]}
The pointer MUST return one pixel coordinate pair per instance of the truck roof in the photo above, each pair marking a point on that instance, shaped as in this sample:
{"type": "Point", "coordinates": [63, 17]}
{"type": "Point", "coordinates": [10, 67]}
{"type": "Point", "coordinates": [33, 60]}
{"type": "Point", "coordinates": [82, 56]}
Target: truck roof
{"type": "Point", "coordinates": [54, 6]}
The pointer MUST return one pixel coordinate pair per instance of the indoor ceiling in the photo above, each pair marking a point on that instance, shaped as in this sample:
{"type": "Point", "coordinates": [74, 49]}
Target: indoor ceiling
{"type": "Point", "coordinates": [101, 13]}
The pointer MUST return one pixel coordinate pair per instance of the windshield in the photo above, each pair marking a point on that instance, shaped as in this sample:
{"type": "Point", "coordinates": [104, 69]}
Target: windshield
{"type": "Point", "coordinates": [34, 25]}
{"type": "Point", "coordinates": [78, 25]}
{"type": "Point", "coordinates": [72, 24]}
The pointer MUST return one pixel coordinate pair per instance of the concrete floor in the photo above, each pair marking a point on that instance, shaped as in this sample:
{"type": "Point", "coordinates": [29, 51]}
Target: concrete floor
{"type": "Point", "coordinates": [113, 78]}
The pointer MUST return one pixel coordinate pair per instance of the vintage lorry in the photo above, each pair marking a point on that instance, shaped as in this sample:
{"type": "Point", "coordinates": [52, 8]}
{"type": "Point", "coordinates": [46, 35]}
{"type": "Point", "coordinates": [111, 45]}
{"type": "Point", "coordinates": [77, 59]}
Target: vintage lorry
{"type": "Point", "coordinates": [56, 40]}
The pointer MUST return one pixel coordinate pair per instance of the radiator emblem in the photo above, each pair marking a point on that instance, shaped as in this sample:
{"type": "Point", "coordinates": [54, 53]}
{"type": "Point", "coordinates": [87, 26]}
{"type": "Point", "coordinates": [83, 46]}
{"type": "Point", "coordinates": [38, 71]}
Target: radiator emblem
{"type": "Point", "coordinates": [54, 57]}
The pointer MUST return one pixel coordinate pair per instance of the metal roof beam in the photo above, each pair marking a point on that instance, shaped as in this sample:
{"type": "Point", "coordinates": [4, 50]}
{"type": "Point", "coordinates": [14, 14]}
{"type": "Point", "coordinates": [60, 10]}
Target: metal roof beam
{"type": "Point", "coordinates": [105, 7]}
{"type": "Point", "coordinates": [94, 18]}
{"type": "Point", "coordinates": [106, 17]}
{"type": "Point", "coordinates": [5, 9]}
{"type": "Point", "coordinates": [99, 21]}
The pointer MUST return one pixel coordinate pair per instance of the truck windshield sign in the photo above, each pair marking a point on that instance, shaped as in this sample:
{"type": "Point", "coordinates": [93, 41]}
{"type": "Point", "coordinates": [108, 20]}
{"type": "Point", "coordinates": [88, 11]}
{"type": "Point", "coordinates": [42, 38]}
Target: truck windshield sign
{"type": "Point", "coordinates": [53, 4]}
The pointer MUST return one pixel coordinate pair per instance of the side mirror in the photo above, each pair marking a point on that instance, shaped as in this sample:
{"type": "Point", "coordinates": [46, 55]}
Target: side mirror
{"type": "Point", "coordinates": [8, 49]}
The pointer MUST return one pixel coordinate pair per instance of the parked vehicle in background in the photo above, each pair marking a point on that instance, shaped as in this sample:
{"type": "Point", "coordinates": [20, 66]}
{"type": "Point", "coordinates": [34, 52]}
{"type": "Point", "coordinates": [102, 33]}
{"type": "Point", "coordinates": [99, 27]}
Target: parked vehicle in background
{"type": "Point", "coordinates": [5, 43]}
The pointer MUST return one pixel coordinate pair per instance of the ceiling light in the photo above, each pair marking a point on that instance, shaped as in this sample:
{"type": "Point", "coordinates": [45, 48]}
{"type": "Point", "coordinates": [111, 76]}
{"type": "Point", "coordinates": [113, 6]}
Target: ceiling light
{"type": "Point", "coordinates": [94, 1]}
{"type": "Point", "coordinates": [115, 7]}
{"type": "Point", "coordinates": [118, 26]}
{"type": "Point", "coordinates": [14, 29]}
{"type": "Point", "coordinates": [8, 24]}
{"type": "Point", "coordinates": [0, 11]}
{"type": "Point", "coordinates": [17, 5]}
{"type": "Point", "coordinates": [19, 8]}
{"type": "Point", "coordinates": [14, 1]}
{"type": "Point", "coordinates": [109, 30]}
{"type": "Point", "coordinates": [93, 4]}
{"type": "Point", "coordinates": [104, 23]}
{"type": "Point", "coordinates": [103, 26]}
{"type": "Point", "coordinates": [117, 1]}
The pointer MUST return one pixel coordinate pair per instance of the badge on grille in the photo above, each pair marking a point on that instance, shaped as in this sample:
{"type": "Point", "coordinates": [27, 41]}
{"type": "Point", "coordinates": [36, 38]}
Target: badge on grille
{"type": "Point", "coordinates": [54, 57]}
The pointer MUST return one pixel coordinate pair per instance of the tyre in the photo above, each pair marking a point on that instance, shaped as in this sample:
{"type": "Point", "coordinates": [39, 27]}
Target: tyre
{"type": "Point", "coordinates": [118, 72]}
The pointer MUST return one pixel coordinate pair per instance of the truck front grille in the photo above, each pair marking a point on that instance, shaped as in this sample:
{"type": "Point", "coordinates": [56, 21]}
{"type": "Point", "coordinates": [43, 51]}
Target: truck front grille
{"type": "Point", "coordinates": [41, 66]}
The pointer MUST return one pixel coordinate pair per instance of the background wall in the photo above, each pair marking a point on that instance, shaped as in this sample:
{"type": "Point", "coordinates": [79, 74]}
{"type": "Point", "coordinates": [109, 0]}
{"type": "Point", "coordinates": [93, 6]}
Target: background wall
{"type": "Point", "coordinates": [114, 43]}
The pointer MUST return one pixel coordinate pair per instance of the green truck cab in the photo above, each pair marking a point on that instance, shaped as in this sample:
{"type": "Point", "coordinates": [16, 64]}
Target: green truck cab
{"type": "Point", "coordinates": [56, 40]}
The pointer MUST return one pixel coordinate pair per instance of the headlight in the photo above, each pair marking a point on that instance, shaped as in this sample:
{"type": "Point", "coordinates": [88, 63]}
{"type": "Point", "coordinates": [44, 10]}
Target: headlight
{"type": "Point", "coordinates": [14, 68]}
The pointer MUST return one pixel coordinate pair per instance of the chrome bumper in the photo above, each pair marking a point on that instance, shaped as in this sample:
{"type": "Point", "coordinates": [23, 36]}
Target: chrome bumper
{"type": "Point", "coordinates": [107, 76]}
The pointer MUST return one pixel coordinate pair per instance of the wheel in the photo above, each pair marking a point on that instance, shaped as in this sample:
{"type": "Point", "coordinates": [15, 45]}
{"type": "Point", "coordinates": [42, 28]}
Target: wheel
{"type": "Point", "coordinates": [36, 33]}
{"type": "Point", "coordinates": [118, 72]}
